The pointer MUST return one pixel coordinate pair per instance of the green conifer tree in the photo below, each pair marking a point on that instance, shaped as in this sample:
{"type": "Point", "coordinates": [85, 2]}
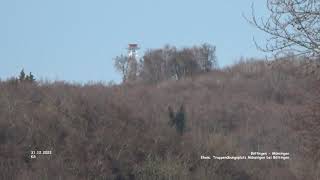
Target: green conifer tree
{"type": "Point", "coordinates": [31, 77]}
{"type": "Point", "coordinates": [22, 75]}
{"type": "Point", "coordinates": [178, 119]}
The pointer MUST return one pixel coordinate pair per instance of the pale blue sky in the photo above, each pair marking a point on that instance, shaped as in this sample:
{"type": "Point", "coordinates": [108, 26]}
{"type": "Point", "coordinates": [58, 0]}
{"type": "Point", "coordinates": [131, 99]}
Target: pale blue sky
{"type": "Point", "coordinates": [75, 40]}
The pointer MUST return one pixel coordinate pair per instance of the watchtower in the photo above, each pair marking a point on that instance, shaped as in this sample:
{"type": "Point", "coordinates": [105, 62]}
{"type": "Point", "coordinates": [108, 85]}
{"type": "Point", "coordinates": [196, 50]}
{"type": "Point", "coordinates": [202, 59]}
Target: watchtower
{"type": "Point", "coordinates": [132, 50]}
{"type": "Point", "coordinates": [132, 61]}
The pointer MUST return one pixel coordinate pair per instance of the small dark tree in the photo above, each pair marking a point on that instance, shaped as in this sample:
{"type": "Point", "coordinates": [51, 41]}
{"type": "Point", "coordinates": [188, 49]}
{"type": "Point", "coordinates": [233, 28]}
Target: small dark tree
{"type": "Point", "coordinates": [178, 119]}
{"type": "Point", "coordinates": [30, 77]}
{"type": "Point", "coordinates": [22, 75]}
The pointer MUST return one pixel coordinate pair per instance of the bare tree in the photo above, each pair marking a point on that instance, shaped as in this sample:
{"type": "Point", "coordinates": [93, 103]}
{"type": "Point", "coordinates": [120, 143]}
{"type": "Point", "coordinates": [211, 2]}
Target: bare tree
{"type": "Point", "coordinates": [156, 64]}
{"type": "Point", "coordinates": [121, 64]}
{"type": "Point", "coordinates": [166, 63]}
{"type": "Point", "coordinates": [293, 25]}
{"type": "Point", "coordinates": [205, 56]}
{"type": "Point", "coordinates": [184, 64]}
{"type": "Point", "coordinates": [170, 62]}
{"type": "Point", "coordinates": [153, 66]}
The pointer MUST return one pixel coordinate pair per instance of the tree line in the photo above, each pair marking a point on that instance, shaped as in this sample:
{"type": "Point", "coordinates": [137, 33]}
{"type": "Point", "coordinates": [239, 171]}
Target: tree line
{"type": "Point", "coordinates": [166, 63]}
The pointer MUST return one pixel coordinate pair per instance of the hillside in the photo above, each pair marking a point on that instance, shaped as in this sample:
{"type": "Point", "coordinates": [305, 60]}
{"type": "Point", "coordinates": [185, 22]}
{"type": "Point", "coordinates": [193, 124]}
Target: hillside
{"type": "Point", "coordinates": [121, 131]}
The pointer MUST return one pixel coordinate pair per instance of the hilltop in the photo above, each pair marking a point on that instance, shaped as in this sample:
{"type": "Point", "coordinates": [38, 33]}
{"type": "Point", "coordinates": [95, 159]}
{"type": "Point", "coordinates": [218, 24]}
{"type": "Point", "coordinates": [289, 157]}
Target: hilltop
{"type": "Point", "coordinates": [121, 131]}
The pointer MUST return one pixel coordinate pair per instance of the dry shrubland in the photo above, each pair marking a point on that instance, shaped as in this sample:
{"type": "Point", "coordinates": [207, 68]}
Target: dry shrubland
{"type": "Point", "coordinates": [121, 131]}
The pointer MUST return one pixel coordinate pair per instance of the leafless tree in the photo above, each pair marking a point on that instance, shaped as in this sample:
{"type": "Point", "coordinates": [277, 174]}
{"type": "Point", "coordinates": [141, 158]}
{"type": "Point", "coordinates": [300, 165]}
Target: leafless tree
{"type": "Point", "coordinates": [168, 62]}
{"type": "Point", "coordinates": [153, 66]}
{"type": "Point", "coordinates": [293, 25]}
{"type": "Point", "coordinates": [184, 64]}
{"type": "Point", "coordinates": [205, 55]}
{"type": "Point", "coordinates": [121, 64]}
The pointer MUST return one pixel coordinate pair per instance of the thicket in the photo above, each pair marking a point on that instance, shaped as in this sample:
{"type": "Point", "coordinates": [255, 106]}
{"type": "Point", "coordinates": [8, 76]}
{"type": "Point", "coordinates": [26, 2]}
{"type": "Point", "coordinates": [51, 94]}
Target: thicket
{"type": "Point", "coordinates": [121, 131]}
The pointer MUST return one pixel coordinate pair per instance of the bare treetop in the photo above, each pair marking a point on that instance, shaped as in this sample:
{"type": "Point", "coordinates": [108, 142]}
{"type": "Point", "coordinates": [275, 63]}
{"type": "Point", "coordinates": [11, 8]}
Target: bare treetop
{"type": "Point", "coordinates": [293, 25]}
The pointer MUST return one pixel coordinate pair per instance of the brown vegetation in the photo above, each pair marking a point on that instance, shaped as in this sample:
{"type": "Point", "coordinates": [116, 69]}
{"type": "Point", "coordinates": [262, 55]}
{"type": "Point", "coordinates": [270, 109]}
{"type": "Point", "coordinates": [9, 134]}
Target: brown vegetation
{"type": "Point", "coordinates": [122, 132]}
{"type": "Point", "coordinates": [166, 63]}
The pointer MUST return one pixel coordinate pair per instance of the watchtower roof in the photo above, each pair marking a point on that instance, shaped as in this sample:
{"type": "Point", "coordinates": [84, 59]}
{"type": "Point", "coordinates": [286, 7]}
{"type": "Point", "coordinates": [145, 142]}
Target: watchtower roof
{"type": "Point", "coordinates": [133, 46]}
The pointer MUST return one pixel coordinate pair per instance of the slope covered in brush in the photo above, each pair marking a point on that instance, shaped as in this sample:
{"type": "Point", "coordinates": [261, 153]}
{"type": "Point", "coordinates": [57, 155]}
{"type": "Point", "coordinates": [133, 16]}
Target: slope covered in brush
{"type": "Point", "coordinates": [122, 131]}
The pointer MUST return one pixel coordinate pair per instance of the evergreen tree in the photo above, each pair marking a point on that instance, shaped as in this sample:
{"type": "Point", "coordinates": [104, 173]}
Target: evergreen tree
{"type": "Point", "coordinates": [178, 119]}
{"type": "Point", "coordinates": [27, 78]}
{"type": "Point", "coordinates": [22, 75]}
{"type": "Point", "coordinates": [31, 77]}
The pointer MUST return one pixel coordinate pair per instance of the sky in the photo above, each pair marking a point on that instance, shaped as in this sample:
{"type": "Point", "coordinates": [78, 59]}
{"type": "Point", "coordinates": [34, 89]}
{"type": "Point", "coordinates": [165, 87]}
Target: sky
{"type": "Point", "coordinates": [76, 40]}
